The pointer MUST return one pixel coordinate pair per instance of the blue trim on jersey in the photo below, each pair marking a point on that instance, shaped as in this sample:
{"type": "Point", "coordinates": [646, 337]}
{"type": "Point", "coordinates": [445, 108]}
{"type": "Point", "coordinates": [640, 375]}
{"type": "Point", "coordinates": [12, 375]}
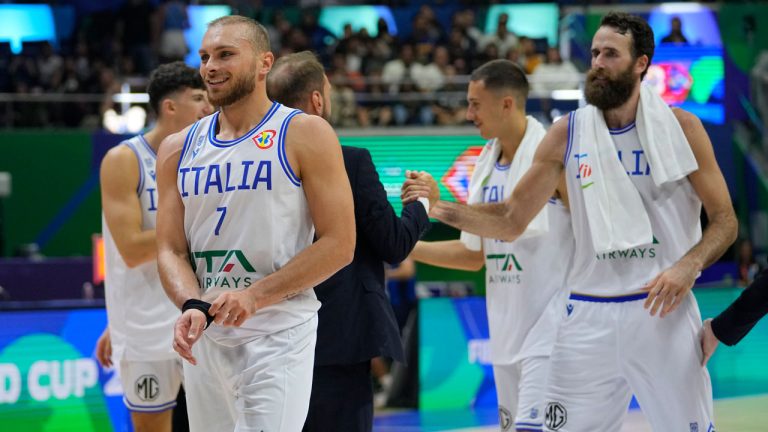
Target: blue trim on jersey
{"type": "Point", "coordinates": [187, 140]}
{"type": "Point", "coordinates": [536, 426]}
{"type": "Point", "coordinates": [711, 427]}
{"type": "Point", "coordinates": [281, 155]}
{"type": "Point", "coordinates": [140, 186]}
{"type": "Point", "coordinates": [569, 141]}
{"type": "Point", "coordinates": [618, 299]}
{"type": "Point", "coordinates": [149, 408]}
{"type": "Point", "coordinates": [146, 144]}
{"type": "Point", "coordinates": [501, 167]}
{"type": "Point", "coordinates": [224, 144]}
{"type": "Point", "coordinates": [621, 130]}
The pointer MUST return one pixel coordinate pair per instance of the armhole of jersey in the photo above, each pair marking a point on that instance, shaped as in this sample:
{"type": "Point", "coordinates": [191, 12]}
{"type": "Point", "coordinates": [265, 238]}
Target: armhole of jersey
{"type": "Point", "coordinates": [187, 140]}
{"type": "Point", "coordinates": [140, 185]}
{"type": "Point", "coordinates": [568, 146]}
{"type": "Point", "coordinates": [281, 154]}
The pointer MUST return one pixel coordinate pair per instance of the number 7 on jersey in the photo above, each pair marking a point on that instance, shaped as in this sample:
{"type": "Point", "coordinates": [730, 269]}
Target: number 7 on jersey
{"type": "Point", "coordinates": [223, 211]}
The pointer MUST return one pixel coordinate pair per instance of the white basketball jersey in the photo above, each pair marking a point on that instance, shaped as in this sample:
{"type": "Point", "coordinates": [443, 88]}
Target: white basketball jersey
{"type": "Point", "coordinates": [522, 278]}
{"type": "Point", "coordinates": [141, 316]}
{"type": "Point", "coordinates": [245, 217]}
{"type": "Point", "coordinates": [674, 210]}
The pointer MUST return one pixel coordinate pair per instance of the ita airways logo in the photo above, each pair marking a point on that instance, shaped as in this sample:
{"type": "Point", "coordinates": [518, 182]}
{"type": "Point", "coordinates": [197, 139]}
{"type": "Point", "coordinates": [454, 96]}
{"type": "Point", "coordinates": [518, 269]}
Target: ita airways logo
{"type": "Point", "coordinates": [456, 180]}
{"type": "Point", "coordinates": [223, 260]}
{"type": "Point", "coordinates": [265, 139]}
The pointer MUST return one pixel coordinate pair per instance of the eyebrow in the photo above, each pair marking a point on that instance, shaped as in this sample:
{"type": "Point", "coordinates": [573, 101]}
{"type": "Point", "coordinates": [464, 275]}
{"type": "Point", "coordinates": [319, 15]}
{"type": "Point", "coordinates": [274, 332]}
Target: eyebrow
{"type": "Point", "coordinates": [218, 48]}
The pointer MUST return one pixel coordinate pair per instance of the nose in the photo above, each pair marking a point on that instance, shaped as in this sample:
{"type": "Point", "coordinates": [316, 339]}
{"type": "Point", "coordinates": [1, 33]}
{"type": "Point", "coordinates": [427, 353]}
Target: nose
{"type": "Point", "coordinates": [470, 115]}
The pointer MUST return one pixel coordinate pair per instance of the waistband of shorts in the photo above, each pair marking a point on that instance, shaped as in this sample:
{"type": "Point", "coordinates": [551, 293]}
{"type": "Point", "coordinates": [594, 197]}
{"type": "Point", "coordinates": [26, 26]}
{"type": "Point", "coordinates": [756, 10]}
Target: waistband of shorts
{"type": "Point", "coordinates": [617, 299]}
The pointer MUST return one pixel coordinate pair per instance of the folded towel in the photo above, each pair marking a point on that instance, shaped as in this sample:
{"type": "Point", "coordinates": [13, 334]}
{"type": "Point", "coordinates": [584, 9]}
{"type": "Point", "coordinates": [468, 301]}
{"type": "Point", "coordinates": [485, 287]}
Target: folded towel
{"type": "Point", "coordinates": [521, 162]}
{"type": "Point", "coordinates": [615, 211]}
{"type": "Point", "coordinates": [663, 140]}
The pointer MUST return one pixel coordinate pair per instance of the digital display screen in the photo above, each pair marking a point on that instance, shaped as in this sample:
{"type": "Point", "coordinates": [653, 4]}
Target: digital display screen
{"type": "Point", "coordinates": [49, 378]}
{"type": "Point", "coordinates": [535, 20]}
{"type": "Point", "coordinates": [334, 18]}
{"type": "Point", "coordinates": [26, 23]}
{"type": "Point", "coordinates": [449, 159]}
{"type": "Point", "coordinates": [691, 74]}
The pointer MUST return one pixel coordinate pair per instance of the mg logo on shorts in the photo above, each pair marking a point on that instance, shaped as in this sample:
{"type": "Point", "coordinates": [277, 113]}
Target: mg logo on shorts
{"type": "Point", "coordinates": [556, 416]}
{"type": "Point", "coordinates": [505, 418]}
{"type": "Point", "coordinates": [147, 387]}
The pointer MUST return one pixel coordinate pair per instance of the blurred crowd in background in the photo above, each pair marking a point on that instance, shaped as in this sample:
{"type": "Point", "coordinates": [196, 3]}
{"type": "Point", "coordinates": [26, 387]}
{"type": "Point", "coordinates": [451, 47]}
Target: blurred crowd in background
{"type": "Point", "coordinates": [384, 80]}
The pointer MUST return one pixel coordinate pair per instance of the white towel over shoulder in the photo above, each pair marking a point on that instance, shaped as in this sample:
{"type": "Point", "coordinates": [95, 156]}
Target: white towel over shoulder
{"type": "Point", "coordinates": [616, 213]}
{"type": "Point", "coordinates": [521, 162]}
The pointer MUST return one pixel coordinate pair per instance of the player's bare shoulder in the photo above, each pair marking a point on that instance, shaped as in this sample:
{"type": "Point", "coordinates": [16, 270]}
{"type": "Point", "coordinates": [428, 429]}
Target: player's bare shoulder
{"type": "Point", "coordinates": [554, 143]}
{"type": "Point", "coordinates": [309, 137]}
{"type": "Point", "coordinates": [120, 165]}
{"type": "Point", "coordinates": [171, 148]}
{"type": "Point", "coordinates": [688, 121]}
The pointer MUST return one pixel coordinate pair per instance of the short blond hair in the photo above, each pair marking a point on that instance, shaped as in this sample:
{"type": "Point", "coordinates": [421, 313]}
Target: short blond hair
{"type": "Point", "coordinates": [256, 34]}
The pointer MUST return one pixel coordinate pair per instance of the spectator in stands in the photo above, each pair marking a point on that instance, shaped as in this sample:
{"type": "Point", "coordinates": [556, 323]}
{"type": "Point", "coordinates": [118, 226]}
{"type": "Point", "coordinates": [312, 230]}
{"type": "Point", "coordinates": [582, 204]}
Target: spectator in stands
{"type": "Point", "coordinates": [503, 38]}
{"type": "Point", "coordinates": [555, 74]}
{"type": "Point", "coordinates": [138, 32]}
{"type": "Point", "coordinates": [344, 113]}
{"type": "Point", "coordinates": [173, 16]}
{"type": "Point", "coordinates": [398, 77]}
{"type": "Point", "coordinates": [675, 35]}
{"type": "Point", "coordinates": [529, 58]}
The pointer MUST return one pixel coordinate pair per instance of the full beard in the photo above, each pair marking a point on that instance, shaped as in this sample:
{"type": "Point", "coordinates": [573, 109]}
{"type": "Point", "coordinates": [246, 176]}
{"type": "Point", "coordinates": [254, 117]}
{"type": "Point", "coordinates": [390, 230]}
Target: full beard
{"type": "Point", "coordinates": [242, 88]}
{"type": "Point", "coordinates": [612, 92]}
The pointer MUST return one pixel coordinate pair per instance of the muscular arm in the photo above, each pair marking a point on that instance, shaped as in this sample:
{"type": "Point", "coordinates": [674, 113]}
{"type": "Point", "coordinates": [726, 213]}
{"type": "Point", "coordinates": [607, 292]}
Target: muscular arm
{"type": "Point", "coordinates": [176, 274]}
{"type": "Point", "coordinates": [450, 254]}
{"type": "Point", "coordinates": [668, 289]}
{"type": "Point", "coordinates": [709, 184]}
{"type": "Point", "coordinates": [508, 220]}
{"type": "Point", "coordinates": [314, 151]}
{"type": "Point", "coordinates": [122, 209]}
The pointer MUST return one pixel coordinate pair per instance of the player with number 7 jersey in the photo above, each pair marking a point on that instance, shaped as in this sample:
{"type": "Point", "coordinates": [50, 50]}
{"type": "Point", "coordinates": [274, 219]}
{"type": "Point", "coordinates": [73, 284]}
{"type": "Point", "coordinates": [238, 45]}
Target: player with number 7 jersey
{"type": "Point", "coordinates": [245, 216]}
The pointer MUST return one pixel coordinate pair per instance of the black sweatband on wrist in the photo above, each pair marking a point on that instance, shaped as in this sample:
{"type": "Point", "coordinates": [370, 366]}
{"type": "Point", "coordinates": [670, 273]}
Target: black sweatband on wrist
{"type": "Point", "coordinates": [200, 305]}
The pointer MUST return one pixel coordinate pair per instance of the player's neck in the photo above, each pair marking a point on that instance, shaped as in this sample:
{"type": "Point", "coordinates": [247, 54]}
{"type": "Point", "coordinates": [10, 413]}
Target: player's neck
{"type": "Point", "coordinates": [239, 118]}
{"type": "Point", "coordinates": [625, 114]}
{"type": "Point", "coordinates": [156, 135]}
{"type": "Point", "coordinates": [511, 138]}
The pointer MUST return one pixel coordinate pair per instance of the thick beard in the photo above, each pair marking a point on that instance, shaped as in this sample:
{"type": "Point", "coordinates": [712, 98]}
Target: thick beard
{"type": "Point", "coordinates": [242, 88]}
{"type": "Point", "coordinates": [614, 93]}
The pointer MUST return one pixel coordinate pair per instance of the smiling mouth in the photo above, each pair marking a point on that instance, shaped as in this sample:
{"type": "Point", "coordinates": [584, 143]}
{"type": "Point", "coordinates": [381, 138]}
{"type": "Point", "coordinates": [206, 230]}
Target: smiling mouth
{"type": "Point", "coordinates": [217, 82]}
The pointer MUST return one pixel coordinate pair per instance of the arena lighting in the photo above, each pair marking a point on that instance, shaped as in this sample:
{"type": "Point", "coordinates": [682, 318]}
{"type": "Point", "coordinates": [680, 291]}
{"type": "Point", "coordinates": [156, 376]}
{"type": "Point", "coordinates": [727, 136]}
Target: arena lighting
{"type": "Point", "coordinates": [566, 94]}
{"type": "Point", "coordinates": [130, 98]}
{"type": "Point", "coordinates": [679, 8]}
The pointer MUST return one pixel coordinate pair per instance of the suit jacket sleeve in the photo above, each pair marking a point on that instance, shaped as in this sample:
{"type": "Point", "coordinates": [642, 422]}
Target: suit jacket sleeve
{"type": "Point", "coordinates": [738, 319]}
{"type": "Point", "coordinates": [391, 237]}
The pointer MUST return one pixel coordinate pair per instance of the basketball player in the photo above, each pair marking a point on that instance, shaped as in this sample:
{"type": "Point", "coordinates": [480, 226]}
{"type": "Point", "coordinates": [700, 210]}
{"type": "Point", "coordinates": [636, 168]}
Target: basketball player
{"type": "Point", "coordinates": [607, 346]}
{"type": "Point", "coordinates": [140, 315]}
{"type": "Point", "coordinates": [356, 320]}
{"type": "Point", "coordinates": [242, 194]}
{"type": "Point", "coordinates": [524, 300]}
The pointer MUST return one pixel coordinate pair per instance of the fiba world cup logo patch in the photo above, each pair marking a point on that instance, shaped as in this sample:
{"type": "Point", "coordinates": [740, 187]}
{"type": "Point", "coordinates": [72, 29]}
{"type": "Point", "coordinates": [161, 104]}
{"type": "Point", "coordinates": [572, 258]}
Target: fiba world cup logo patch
{"type": "Point", "coordinates": [265, 139]}
{"type": "Point", "coordinates": [147, 387]}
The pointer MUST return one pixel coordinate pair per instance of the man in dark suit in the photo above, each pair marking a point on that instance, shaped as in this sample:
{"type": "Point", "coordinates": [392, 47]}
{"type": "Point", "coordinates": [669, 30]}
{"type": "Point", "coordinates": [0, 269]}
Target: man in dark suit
{"type": "Point", "coordinates": [738, 319]}
{"type": "Point", "coordinates": [356, 321]}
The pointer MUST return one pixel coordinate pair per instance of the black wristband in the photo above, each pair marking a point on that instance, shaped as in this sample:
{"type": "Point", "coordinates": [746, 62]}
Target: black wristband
{"type": "Point", "coordinates": [200, 305]}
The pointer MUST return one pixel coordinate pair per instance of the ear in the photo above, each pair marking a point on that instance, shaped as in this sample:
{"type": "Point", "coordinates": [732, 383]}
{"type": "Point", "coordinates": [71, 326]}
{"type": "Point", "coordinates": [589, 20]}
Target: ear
{"type": "Point", "coordinates": [167, 105]}
{"type": "Point", "coordinates": [317, 103]}
{"type": "Point", "coordinates": [267, 60]}
{"type": "Point", "coordinates": [641, 63]}
{"type": "Point", "coordinates": [509, 102]}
